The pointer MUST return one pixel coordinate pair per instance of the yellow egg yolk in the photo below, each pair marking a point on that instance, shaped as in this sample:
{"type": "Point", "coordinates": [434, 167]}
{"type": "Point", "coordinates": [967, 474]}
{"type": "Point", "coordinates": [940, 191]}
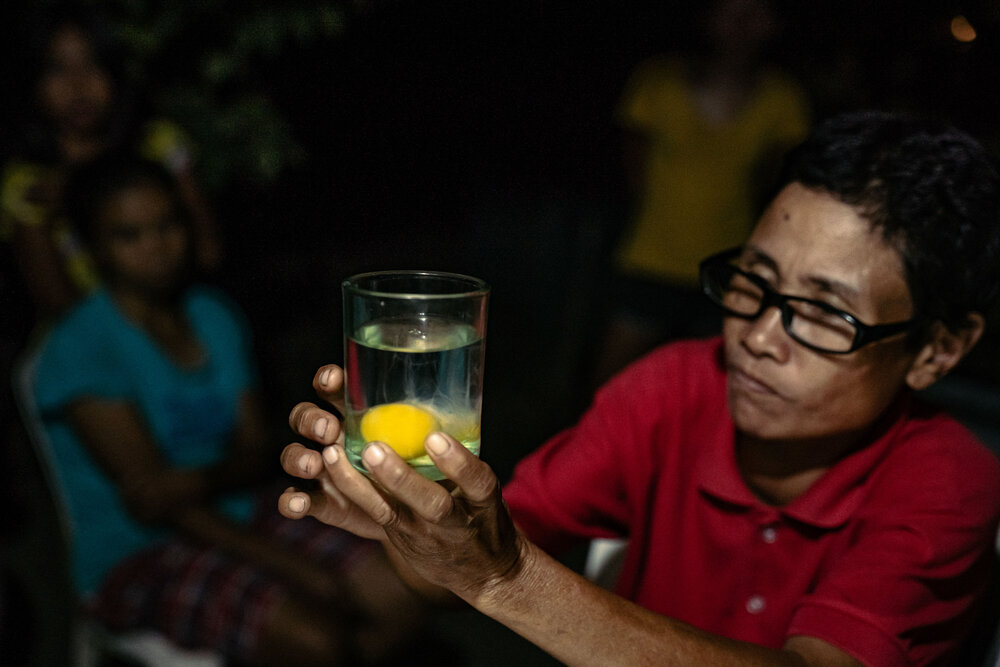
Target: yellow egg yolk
{"type": "Point", "coordinates": [402, 426]}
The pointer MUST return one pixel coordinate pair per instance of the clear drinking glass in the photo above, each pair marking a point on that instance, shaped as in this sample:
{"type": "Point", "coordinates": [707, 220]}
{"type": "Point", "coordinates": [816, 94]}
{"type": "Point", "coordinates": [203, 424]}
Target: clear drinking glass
{"type": "Point", "coordinates": [414, 344]}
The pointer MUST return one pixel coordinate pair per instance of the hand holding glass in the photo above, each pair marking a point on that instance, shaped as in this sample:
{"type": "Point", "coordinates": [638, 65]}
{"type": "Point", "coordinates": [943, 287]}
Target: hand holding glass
{"type": "Point", "coordinates": [414, 344]}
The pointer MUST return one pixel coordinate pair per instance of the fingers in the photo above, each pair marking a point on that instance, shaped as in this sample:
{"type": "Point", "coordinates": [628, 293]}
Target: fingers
{"type": "Point", "coordinates": [329, 385]}
{"type": "Point", "coordinates": [330, 505]}
{"type": "Point", "coordinates": [317, 424]}
{"type": "Point", "coordinates": [350, 500]}
{"type": "Point", "coordinates": [330, 508]}
{"type": "Point", "coordinates": [357, 488]}
{"type": "Point", "coordinates": [294, 504]}
{"type": "Point", "coordinates": [300, 461]}
{"type": "Point", "coordinates": [474, 477]}
{"type": "Point", "coordinates": [311, 421]}
{"type": "Point", "coordinates": [427, 499]}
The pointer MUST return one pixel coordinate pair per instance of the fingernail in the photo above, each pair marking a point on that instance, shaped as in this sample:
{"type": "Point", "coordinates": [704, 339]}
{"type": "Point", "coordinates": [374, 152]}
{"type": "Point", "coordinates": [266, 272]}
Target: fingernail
{"type": "Point", "coordinates": [330, 455]}
{"type": "Point", "coordinates": [437, 443]}
{"type": "Point", "coordinates": [304, 463]}
{"type": "Point", "coordinates": [324, 377]}
{"type": "Point", "coordinates": [297, 504]}
{"type": "Point", "coordinates": [319, 428]}
{"type": "Point", "coordinates": [373, 454]}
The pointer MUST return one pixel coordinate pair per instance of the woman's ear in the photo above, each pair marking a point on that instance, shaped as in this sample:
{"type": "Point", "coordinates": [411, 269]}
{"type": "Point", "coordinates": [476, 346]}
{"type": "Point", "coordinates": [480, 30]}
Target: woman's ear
{"type": "Point", "coordinates": [942, 351]}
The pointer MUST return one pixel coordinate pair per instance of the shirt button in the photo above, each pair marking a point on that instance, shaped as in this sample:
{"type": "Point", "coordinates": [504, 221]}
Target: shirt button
{"type": "Point", "coordinates": [756, 604]}
{"type": "Point", "coordinates": [769, 535]}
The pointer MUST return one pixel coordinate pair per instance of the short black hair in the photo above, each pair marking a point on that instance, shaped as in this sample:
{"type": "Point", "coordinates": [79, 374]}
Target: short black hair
{"type": "Point", "coordinates": [930, 189]}
{"type": "Point", "coordinates": [92, 184]}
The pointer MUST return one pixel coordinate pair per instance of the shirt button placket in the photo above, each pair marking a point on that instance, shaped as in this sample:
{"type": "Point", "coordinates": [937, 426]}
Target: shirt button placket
{"type": "Point", "coordinates": [757, 603]}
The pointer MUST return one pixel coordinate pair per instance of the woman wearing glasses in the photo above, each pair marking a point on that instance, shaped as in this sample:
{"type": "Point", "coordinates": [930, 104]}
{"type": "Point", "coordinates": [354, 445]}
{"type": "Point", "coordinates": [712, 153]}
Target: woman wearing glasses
{"type": "Point", "coordinates": [786, 498]}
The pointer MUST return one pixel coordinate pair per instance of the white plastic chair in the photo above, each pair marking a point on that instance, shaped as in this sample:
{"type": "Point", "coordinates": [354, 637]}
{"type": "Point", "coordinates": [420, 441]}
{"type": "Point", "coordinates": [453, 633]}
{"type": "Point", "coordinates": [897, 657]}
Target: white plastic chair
{"type": "Point", "coordinates": [91, 643]}
{"type": "Point", "coordinates": [604, 561]}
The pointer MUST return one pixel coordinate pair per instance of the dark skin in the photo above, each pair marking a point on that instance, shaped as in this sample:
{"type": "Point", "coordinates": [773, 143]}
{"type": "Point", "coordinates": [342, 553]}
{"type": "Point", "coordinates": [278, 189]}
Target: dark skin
{"type": "Point", "coordinates": [495, 569]}
{"type": "Point", "coordinates": [796, 412]}
{"type": "Point", "coordinates": [332, 616]}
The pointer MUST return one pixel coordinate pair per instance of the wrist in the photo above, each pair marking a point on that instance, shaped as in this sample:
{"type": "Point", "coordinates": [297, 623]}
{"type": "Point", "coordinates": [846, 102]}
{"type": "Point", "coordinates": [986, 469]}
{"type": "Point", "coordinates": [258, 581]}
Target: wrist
{"type": "Point", "coordinates": [507, 586]}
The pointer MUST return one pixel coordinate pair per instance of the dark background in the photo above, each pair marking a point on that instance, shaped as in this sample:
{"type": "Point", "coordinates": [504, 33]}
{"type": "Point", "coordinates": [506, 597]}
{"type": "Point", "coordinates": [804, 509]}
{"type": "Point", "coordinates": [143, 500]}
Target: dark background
{"type": "Point", "coordinates": [478, 137]}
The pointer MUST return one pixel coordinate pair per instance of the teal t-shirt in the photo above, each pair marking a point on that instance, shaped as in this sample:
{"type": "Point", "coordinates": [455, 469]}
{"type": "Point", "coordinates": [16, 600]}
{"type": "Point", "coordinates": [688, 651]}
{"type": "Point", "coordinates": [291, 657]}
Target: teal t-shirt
{"type": "Point", "coordinates": [94, 351]}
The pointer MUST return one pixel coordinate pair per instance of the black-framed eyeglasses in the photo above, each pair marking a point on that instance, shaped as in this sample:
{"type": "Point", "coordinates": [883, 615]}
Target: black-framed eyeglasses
{"type": "Point", "coordinates": [814, 324]}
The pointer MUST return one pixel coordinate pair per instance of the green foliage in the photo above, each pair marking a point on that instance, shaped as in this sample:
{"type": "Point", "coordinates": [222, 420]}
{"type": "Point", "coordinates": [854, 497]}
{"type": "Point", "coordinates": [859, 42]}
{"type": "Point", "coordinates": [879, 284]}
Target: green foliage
{"type": "Point", "coordinates": [205, 65]}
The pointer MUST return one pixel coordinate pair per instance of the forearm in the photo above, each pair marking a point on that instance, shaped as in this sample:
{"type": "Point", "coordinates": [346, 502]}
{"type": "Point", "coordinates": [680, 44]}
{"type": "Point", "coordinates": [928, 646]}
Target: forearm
{"type": "Point", "coordinates": [208, 527]}
{"type": "Point", "coordinates": [246, 463]}
{"type": "Point", "coordinates": [465, 540]}
{"type": "Point", "coordinates": [306, 576]}
{"type": "Point", "coordinates": [233, 473]}
{"type": "Point", "coordinates": [580, 623]}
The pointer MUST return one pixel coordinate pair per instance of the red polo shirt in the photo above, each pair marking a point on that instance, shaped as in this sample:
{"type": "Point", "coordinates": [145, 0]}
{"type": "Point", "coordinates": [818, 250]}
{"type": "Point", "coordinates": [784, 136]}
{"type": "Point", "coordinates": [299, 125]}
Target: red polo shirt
{"type": "Point", "coordinates": [884, 556]}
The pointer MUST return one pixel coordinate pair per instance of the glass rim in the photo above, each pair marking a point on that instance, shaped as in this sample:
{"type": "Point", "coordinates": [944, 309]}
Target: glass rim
{"type": "Point", "coordinates": [473, 286]}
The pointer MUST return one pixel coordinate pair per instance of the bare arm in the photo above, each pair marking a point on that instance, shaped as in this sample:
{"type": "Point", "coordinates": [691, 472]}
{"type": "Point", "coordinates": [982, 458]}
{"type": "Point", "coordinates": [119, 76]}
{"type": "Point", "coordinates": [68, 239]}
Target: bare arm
{"type": "Point", "coordinates": [583, 624]}
{"type": "Point", "coordinates": [153, 491]}
{"type": "Point", "coordinates": [119, 439]}
{"type": "Point", "coordinates": [246, 463]}
{"type": "Point", "coordinates": [465, 541]}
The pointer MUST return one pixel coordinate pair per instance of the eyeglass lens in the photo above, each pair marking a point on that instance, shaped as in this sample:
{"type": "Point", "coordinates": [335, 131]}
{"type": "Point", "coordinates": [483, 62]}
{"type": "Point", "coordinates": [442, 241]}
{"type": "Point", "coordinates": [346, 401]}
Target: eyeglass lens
{"type": "Point", "coordinates": [803, 319]}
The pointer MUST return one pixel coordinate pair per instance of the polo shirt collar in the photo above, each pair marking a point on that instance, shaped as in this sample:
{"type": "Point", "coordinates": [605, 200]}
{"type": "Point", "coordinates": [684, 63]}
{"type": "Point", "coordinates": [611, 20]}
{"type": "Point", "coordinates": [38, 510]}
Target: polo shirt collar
{"type": "Point", "coordinates": [829, 502]}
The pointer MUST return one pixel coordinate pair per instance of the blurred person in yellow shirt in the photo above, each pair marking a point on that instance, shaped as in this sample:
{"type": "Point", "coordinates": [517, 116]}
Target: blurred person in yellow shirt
{"type": "Point", "coordinates": [701, 130]}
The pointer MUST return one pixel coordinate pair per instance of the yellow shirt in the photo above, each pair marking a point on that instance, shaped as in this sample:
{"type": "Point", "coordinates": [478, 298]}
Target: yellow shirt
{"type": "Point", "coordinates": [697, 195]}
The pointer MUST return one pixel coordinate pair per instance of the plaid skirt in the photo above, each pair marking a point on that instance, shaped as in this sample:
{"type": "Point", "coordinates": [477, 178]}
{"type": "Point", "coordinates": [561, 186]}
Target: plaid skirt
{"type": "Point", "coordinates": [204, 598]}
